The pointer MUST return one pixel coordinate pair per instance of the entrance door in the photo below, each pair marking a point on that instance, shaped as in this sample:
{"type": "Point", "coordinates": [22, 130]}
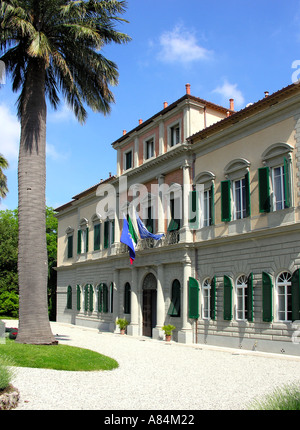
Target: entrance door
{"type": "Point", "coordinates": [149, 312]}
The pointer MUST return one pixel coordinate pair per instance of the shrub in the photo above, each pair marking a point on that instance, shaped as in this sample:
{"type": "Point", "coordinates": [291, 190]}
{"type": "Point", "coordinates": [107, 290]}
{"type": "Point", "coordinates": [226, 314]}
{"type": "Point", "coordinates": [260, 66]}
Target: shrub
{"type": "Point", "coordinates": [6, 373]}
{"type": "Point", "coordinates": [286, 398]}
{"type": "Point", "coordinates": [9, 304]}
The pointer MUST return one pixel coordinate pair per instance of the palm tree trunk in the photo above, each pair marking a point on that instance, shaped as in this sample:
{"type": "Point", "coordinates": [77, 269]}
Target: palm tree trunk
{"type": "Point", "coordinates": [34, 325]}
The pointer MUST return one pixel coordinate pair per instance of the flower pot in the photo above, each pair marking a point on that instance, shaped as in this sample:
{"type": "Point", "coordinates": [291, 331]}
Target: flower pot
{"type": "Point", "coordinates": [122, 330]}
{"type": "Point", "coordinates": [168, 337]}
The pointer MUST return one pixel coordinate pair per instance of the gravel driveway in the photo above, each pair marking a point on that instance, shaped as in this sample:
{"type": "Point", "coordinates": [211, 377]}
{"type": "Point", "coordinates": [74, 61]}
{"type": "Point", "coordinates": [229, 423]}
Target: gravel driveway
{"type": "Point", "coordinates": [154, 375]}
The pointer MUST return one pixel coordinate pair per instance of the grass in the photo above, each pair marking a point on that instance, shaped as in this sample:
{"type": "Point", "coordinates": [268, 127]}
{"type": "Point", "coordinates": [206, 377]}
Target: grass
{"type": "Point", "coordinates": [286, 398]}
{"type": "Point", "coordinates": [6, 373]}
{"type": "Point", "coordinates": [58, 357]}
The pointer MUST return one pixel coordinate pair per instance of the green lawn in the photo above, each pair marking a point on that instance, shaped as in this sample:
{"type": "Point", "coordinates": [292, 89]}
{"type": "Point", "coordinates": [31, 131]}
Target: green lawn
{"type": "Point", "coordinates": [58, 357]}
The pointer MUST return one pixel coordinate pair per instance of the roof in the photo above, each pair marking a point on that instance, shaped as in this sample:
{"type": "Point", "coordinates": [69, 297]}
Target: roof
{"type": "Point", "coordinates": [252, 109]}
{"type": "Point", "coordinates": [169, 108]}
{"type": "Point", "coordinates": [84, 193]}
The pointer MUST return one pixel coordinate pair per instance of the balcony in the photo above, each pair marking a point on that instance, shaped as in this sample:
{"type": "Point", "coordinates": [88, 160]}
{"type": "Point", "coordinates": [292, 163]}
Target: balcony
{"type": "Point", "coordinates": [171, 238]}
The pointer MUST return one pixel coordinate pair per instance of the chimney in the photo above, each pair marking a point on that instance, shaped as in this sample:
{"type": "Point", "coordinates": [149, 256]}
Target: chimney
{"type": "Point", "coordinates": [165, 105]}
{"type": "Point", "coordinates": [124, 132]}
{"type": "Point", "coordinates": [188, 89]}
{"type": "Point", "coordinates": [140, 121]}
{"type": "Point", "coordinates": [266, 93]}
{"type": "Point", "coordinates": [231, 104]}
{"type": "Point", "coordinates": [110, 174]}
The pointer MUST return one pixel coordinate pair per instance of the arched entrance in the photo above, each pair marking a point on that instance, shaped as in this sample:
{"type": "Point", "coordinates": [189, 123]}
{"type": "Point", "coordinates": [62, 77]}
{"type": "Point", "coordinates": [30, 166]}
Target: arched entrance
{"type": "Point", "coordinates": [149, 304]}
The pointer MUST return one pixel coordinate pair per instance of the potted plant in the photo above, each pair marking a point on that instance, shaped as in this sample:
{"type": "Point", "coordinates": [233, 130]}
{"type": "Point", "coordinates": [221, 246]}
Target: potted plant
{"type": "Point", "coordinates": [122, 323]}
{"type": "Point", "coordinates": [168, 331]}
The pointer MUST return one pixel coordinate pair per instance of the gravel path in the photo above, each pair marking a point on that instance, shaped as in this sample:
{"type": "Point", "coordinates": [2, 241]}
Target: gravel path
{"type": "Point", "coordinates": [154, 375]}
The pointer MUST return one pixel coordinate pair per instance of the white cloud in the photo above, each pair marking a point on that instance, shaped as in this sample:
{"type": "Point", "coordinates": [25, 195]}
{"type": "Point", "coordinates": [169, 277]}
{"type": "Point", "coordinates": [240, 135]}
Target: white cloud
{"type": "Point", "coordinates": [230, 91]}
{"type": "Point", "coordinates": [53, 153]}
{"type": "Point", "coordinates": [9, 134]}
{"type": "Point", "coordinates": [181, 45]}
{"type": "Point", "coordinates": [62, 115]}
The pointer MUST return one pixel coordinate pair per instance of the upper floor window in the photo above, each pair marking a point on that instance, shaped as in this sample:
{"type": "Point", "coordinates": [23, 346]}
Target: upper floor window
{"type": "Point", "coordinates": [149, 148]}
{"type": "Point", "coordinates": [83, 237]}
{"type": "Point", "coordinates": [235, 191]}
{"type": "Point", "coordinates": [128, 160]}
{"type": "Point", "coordinates": [109, 233]}
{"type": "Point", "coordinates": [274, 179]}
{"type": "Point", "coordinates": [174, 135]}
{"type": "Point", "coordinates": [70, 241]}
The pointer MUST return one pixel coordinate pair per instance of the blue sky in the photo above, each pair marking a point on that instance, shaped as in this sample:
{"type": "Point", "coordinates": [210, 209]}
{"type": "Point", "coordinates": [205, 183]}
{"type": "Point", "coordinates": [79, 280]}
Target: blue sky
{"type": "Point", "coordinates": [235, 49]}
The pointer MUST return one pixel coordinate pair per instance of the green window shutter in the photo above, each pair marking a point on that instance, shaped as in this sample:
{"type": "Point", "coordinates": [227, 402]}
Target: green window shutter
{"type": "Point", "coordinates": [127, 298]}
{"type": "Point", "coordinates": [249, 304]}
{"type": "Point", "coordinates": [248, 194]}
{"type": "Point", "coordinates": [213, 296]}
{"type": "Point", "coordinates": [78, 293]}
{"type": "Point", "coordinates": [174, 225]}
{"type": "Point", "coordinates": [212, 203]}
{"type": "Point", "coordinates": [227, 298]}
{"type": "Point", "coordinates": [86, 297]}
{"type": "Point", "coordinates": [100, 297]}
{"type": "Point", "coordinates": [264, 189]}
{"type": "Point", "coordinates": [79, 233]}
{"type": "Point", "coordinates": [226, 201]}
{"type": "Point", "coordinates": [296, 295]}
{"type": "Point", "coordinates": [267, 297]}
{"type": "Point", "coordinates": [105, 298]}
{"type": "Point", "coordinates": [91, 298]}
{"type": "Point", "coordinates": [69, 297]}
{"type": "Point", "coordinates": [87, 240]}
{"type": "Point", "coordinates": [70, 246]}
{"type": "Point", "coordinates": [97, 236]}
{"type": "Point", "coordinates": [106, 234]}
{"type": "Point", "coordinates": [287, 183]}
{"type": "Point", "coordinates": [111, 292]}
{"type": "Point", "coordinates": [174, 309]}
{"type": "Point", "coordinates": [194, 210]}
{"type": "Point", "coordinates": [112, 231]}
{"type": "Point", "coordinates": [193, 298]}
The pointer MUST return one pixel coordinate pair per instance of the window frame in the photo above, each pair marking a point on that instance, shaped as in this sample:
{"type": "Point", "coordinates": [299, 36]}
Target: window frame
{"type": "Point", "coordinates": [125, 160]}
{"type": "Point", "coordinates": [286, 296]}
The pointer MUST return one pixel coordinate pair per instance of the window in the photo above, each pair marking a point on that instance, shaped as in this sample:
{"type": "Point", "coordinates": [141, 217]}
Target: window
{"type": "Point", "coordinates": [78, 297]}
{"type": "Point", "coordinates": [97, 236]}
{"type": "Point", "coordinates": [111, 293]}
{"type": "Point", "coordinates": [89, 298]}
{"type": "Point", "coordinates": [69, 297]}
{"type": "Point", "coordinates": [279, 191]}
{"type": "Point", "coordinates": [241, 298]}
{"type": "Point", "coordinates": [128, 160]}
{"type": "Point", "coordinates": [149, 149]}
{"type": "Point", "coordinates": [204, 183]}
{"type": "Point", "coordinates": [70, 246]}
{"type": "Point", "coordinates": [174, 309]}
{"type": "Point", "coordinates": [275, 191]}
{"type": "Point", "coordinates": [70, 242]}
{"type": "Point", "coordinates": [109, 233]}
{"type": "Point", "coordinates": [102, 298]}
{"type": "Point", "coordinates": [206, 299]}
{"type": "Point", "coordinates": [207, 210]}
{"type": "Point", "coordinates": [83, 237]}
{"type": "Point", "coordinates": [174, 135]}
{"type": "Point", "coordinates": [235, 191]}
{"type": "Point", "coordinates": [127, 298]}
{"type": "Point", "coordinates": [284, 296]}
{"type": "Point", "coordinates": [209, 299]}
{"type": "Point", "coordinates": [239, 198]}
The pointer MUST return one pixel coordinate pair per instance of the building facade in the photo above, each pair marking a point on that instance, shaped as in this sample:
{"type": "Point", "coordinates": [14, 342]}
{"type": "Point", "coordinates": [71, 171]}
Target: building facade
{"type": "Point", "coordinates": [223, 187]}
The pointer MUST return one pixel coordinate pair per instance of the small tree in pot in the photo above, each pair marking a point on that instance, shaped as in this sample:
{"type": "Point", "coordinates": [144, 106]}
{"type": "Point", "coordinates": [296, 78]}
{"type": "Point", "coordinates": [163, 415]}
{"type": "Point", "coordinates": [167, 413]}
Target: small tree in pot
{"type": "Point", "coordinates": [122, 323]}
{"type": "Point", "coordinates": [168, 331]}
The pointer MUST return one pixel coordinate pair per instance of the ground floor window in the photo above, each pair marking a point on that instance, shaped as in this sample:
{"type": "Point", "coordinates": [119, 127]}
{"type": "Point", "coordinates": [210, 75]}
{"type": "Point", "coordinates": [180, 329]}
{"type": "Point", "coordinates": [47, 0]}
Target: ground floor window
{"type": "Point", "coordinates": [284, 296]}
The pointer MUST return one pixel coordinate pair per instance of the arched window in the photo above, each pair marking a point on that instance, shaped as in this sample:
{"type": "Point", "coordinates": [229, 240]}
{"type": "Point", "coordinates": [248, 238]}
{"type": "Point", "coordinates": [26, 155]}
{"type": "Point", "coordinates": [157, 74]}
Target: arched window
{"type": "Point", "coordinates": [206, 286]}
{"type": "Point", "coordinates": [284, 296]}
{"type": "Point", "coordinates": [127, 298]}
{"type": "Point", "coordinates": [244, 298]}
{"type": "Point", "coordinates": [174, 309]}
{"type": "Point", "coordinates": [69, 297]}
{"type": "Point", "coordinates": [102, 298]}
{"type": "Point", "coordinates": [78, 296]}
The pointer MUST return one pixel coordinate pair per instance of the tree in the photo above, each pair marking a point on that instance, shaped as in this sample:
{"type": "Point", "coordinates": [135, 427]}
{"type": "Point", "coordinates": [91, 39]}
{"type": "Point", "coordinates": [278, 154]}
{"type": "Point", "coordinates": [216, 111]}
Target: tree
{"type": "Point", "coordinates": [51, 47]}
{"type": "Point", "coordinates": [9, 291]}
{"type": "Point", "coordinates": [3, 179]}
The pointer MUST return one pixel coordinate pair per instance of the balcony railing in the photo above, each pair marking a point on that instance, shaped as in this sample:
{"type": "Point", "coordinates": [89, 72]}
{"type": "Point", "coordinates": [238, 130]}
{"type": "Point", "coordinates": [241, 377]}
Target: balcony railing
{"type": "Point", "coordinates": [171, 238]}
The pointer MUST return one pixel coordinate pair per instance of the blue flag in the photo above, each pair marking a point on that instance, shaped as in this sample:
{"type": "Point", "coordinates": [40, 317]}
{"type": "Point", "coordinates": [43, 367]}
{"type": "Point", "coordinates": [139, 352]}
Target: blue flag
{"type": "Point", "coordinates": [144, 233]}
{"type": "Point", "coordinates": [127, 239]}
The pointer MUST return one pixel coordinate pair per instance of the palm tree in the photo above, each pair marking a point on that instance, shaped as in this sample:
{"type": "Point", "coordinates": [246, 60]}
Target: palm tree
{"type": "Point", "coordinates": [3, 179]}
{"type": "Point", "coordinates": [51, 47]}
